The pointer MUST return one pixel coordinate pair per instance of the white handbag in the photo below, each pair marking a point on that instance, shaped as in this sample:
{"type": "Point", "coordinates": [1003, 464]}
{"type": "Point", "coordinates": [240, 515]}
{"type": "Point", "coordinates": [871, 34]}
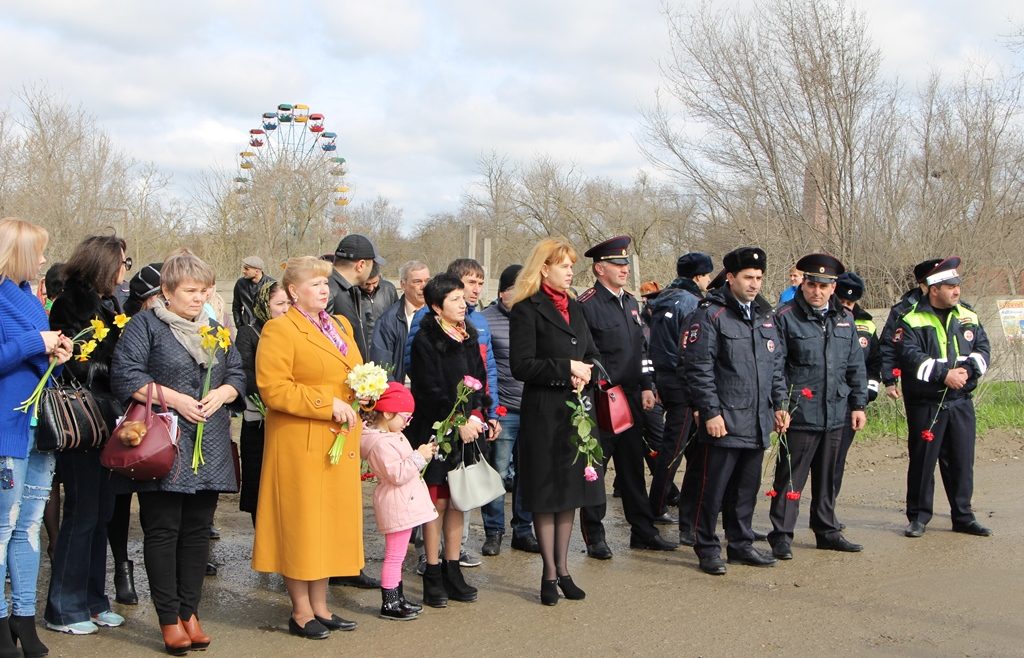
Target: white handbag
{"type": "Point", "coordinates": [474, 485]}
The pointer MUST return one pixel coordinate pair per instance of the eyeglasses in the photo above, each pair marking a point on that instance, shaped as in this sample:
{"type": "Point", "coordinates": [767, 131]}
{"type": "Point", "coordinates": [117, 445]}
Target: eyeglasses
{"type": "Point", "coordinates": [406, 417]}
{"type": "Point", "coordinates": [127, 262]}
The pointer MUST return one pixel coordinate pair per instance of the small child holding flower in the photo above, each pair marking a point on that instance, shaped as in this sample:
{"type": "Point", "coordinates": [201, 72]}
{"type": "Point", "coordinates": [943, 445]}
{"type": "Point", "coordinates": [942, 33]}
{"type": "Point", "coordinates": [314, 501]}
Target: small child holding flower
{"type": "Point", "coordinates": [401, 501]}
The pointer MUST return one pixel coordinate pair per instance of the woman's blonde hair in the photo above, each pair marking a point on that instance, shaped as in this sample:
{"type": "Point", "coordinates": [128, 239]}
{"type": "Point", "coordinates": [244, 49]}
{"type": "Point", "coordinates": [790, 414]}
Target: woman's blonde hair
{"type": "Point", "coordinates": [181, 266]}
{"type": "Point", "coordinates": [550, 252]}
{"type": "Point", "coordinates": [301, 268]}
{"type": "Point", "coordinates": [21, 245]}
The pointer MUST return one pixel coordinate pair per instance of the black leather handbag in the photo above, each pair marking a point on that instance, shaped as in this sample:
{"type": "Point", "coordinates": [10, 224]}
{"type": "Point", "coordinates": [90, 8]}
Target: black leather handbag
{"type": "Point", "coordinates": [70, 418]}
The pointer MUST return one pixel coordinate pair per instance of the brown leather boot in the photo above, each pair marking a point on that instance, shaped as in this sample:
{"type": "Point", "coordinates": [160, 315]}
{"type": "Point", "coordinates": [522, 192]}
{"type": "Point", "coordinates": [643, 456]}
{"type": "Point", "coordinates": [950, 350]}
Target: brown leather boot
{"type": "Point", "coordinates": [200, 640]}
{"type": "Point", "coordinates": [176, 639]}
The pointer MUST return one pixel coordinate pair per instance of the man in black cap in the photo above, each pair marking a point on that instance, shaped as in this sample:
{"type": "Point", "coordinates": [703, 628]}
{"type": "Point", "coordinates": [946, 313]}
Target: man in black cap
{"type": "Point", "coordinates": [943, 351]}
{"type": "Point", "coordinates": [614, 319]}
{"type": "Point", "coordinates": [849, 290]}
{"type": "Point", "coordinates": [887, 348]}
{"type": "Point", "coordinates": [669, 315]}
{"type": "Point", "coordinates": [734, 376]}
{"type": "Point", "coordinates": [828, 392]}
{"type": "Point", "coordinates": [353, 264]}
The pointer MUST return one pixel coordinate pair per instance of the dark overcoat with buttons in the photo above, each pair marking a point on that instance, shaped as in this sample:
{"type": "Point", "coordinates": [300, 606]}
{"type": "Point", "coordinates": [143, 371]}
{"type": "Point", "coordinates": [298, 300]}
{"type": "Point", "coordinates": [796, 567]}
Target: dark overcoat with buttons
{"type": "Point", "coordinates": [541, 345]}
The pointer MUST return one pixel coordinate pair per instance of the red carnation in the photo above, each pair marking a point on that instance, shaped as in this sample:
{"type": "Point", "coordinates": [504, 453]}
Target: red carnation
{"type": "Point", "coordinates": [771, 493]}
{"type": "Point", "coordinates": [896, 372]}
{"type": "Point", "coordinates": [807, 393]}
{"type": "Point", "coordinates": [501, 410]}
{"type": "Point", "coordinates": [793, 495]}
{"type": "Point", "coordinates": [652, 454]}
{"type": "Point", "coordinates": [927, 435]}
{"type": "Point", "coordinates": [367, 476]}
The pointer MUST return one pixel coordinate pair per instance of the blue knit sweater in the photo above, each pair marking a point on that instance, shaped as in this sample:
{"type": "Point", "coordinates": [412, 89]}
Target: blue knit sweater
{"type": "Point", "coordinates": [22, 362]}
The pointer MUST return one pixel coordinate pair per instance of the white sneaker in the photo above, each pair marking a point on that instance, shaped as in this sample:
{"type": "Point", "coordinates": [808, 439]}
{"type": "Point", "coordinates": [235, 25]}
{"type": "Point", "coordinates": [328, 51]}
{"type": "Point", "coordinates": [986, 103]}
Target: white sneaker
{"type": "Point", "coordinates": [77, 628]}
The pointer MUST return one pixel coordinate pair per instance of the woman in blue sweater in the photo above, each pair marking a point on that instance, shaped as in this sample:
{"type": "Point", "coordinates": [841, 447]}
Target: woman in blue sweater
{"type": "Point", "coordinates": [26, 348]}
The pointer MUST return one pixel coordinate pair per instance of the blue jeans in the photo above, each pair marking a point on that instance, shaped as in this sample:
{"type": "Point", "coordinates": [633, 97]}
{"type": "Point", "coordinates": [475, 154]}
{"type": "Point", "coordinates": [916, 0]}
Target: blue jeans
{"type": "Point", "coordinates": [78, 577]}
{"type": "Point", "coordinates": [502, 451]}
{"type": "Point", "coordinates": [21, 513]}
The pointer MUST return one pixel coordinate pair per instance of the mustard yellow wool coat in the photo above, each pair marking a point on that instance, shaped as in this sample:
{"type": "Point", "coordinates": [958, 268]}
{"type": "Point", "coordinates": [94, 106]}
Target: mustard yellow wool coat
{"type": "Point", "coordinates": [309, 520]}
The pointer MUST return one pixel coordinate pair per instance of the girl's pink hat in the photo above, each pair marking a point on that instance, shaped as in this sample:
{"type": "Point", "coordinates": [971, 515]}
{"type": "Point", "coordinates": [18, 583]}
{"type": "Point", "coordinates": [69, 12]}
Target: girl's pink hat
{"type": "Point", "coordinates": [397, 399]}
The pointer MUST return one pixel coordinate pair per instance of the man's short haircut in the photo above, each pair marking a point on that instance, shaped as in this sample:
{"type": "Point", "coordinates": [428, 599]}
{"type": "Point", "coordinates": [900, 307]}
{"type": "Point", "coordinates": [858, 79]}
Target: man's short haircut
{"type": "Point", "coordinates": [409, 267]}
{"type": "Point", "coordinates": [460, 267]}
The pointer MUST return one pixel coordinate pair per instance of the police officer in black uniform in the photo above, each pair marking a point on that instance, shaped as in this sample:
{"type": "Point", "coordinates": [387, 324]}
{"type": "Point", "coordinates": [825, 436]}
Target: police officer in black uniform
{"type": "Point", "coordinates": [828, 390]}
{"type": "Point", "coordinates": [943, 352]}
{"type": "Point", "coordinates": [888, 349]}
{"type": "Point", "coordinates": [734, 374]}
{"type": "Point", "coordinates": [614, 319]}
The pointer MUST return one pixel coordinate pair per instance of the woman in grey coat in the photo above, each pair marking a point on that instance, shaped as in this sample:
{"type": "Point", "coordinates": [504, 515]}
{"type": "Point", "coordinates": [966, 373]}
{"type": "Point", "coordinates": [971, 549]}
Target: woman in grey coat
{"type": "Point", "coordinates": [162, 346]}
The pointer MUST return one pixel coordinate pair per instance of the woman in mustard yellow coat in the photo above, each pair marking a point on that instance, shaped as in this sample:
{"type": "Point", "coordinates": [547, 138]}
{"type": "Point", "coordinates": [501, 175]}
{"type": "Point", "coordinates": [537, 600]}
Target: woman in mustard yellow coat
{"type": "Point", "coordinates": [309, 520]}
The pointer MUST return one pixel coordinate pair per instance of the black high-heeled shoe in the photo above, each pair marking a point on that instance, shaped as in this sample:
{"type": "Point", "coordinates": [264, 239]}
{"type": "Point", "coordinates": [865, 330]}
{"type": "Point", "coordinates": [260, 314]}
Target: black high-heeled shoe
{"type": "Point", "coordinates": [569, 588]}
{"type": "Point", "coordinates": [313, 630]}
{"type": "Point", "coordinates": [336, 623]}
{"type": "Point", "coordinates": [549, 592]}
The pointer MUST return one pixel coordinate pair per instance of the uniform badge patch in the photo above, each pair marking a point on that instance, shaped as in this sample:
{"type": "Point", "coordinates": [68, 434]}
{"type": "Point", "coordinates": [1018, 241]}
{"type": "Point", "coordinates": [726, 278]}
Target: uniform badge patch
{"type": "Point", "coordinates": [771, 345]}
{"type": "Point", "coordinates": [898, 336]}
{"type": "Point", "coordinates": [969, 335]}
{"type": "Point", "coordinates": [694, 332]}
{"type": "Point", "coordinates": [863, 341]}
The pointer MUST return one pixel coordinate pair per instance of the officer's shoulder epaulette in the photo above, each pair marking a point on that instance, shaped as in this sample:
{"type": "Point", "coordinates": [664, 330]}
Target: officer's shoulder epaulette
{"type": "Point", "coordinates": [587, 294]}
{"type": "Point", "coordinates": [704, 303]}
{"type": "Point", "coordinates": [969, 307]}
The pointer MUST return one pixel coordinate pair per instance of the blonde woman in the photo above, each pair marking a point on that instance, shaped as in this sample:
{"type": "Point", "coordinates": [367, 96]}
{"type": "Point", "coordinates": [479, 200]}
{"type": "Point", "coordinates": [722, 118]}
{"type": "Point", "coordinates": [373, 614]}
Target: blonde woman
{"type": "Point", "coordinates": [309, 518]}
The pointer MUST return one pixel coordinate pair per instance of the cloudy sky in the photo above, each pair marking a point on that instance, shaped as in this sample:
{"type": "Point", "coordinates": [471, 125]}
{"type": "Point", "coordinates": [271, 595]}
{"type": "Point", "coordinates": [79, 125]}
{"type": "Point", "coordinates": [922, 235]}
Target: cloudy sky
{"type": "Point", "coordinates": [417, 91]}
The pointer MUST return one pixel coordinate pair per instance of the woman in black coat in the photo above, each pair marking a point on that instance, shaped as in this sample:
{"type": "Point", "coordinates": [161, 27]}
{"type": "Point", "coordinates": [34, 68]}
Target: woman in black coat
{"type": "Point", "coordinates": [444, 351]}
{"type": "Point", "coordinates": [550, 350]}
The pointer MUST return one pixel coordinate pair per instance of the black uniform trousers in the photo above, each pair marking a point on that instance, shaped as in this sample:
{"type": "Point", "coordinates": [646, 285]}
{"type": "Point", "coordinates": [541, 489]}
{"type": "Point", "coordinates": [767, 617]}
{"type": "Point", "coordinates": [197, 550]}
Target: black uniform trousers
{"type": "Point", "coordinates": [805, 453]}
{"type": "Point", "coordinates": [678, 430]}
{"type": "Point", "coordinates": [729, 474]}
{"type": "Point", "coordinates": [952, 448]}
{"type": "Point", "coordinates": [627, 451]}
{"type": "Point", "coordinates": [844, 448]}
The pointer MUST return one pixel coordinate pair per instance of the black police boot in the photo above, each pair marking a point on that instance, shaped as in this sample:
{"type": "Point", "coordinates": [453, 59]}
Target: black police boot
{"type": "Point", "coordinates": [434, 593]}
{"type": "Point", "coordinates": [23, 629]}
{"type": "Point", "coordinates": [124, 583]}
{"type": "Point", "coordinates": [391, 606]}
{"type": "Point", "coordinates": [455, 584]}
{"type": "Point", "coordinates": [406, 603]}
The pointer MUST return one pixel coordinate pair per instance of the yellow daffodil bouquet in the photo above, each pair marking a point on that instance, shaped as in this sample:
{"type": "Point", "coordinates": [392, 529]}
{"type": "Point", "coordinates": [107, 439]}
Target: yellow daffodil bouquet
{"type": "Point", "coordinates": [211, 342]}
{"type": "Point", "coordinates": [85, 341]}
{"type": "Point", "coordinates": [368, 382]}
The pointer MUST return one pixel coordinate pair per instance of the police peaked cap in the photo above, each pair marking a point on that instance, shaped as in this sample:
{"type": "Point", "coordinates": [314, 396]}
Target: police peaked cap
{"type": "Point", "coordinates": [849, 286]}
{"type": "Point", "coordinates": [694, 264]}
{"type": "Point", "coordinates": [612, 250]}
{"type": "Point", "coordinates": [745, 258]}
{"type": "Point", "coordinates": [944, 272]}
{"type": "Point", "coordinates": [820, 268]}
{"type": "Point", "coordinates": [922, 269]}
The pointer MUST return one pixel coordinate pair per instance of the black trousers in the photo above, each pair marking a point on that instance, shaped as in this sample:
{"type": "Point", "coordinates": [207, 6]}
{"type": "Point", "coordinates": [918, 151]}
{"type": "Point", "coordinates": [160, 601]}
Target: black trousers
{"type": "Point", "coordinates": [952, 448]}
{"type": "Point", "coordinates": [729, 474]}
{"type": "Point", "coordinates": [117, 528]}
{"type": "Point", "coordinates": [844, 448]}
{"type": "Point", "coordinates": [627, 451]}
{"type": "Point", "coordinates": [176, 545]}
{"type": "Point", "coordinates": [679, 428]}
{"type": "Point", "coordinates": [808, 453]}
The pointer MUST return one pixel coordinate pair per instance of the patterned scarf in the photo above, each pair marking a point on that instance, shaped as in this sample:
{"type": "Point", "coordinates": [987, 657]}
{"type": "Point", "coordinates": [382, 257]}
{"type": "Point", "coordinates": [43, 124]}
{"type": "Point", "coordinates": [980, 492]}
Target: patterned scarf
{"type": "Point", "coordinates": [325, 323]}
{"type": "Point", "coordinates": [456, 332]}
{"type": "Point", "coordinates": [186, 332]}
{"type": "Point", "coordinates": [559, 298]}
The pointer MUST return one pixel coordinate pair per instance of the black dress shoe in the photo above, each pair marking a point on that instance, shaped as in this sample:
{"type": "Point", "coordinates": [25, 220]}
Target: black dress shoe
{"type": "Point", "coordinates": [362, 581]}
{"type": "Point", "coordinates": [211, 569]}
{"type": "Point", "coordinates": [782, 551]}
{"type": "Point", "coordinates": [655, 543]}
{"type": "Point", "coordinates": [915, 529]}
{"type": "Point", "coordinates": [569, 588]}
{"type": "Point", "coordinates": [549, 592]}
{"type": "Point", "coordinates": [599, 550]}
{"type": "Point", "coordinates": [492, 544]}
{"type": "Point", "coordinates": [972, 528]}
{"type": "Point", "coordinates": [313, 630]}
{"type": "Point", "coordinates": [837, 542]}
{"type": "Point", "coordinates": [336, 623]}
{"type": "Point", "coordinates": [750, 556]}
{"type": "Point", "coordinates": [712, 565]}
{"type": "Point", "coordinates": [665, 519]}
{"type": "Point", "coordinates": [528, 543]}
{"type": "Point", "coordinates": [760, 536]}
{"type": "Point", "coordinates": [687, 538]}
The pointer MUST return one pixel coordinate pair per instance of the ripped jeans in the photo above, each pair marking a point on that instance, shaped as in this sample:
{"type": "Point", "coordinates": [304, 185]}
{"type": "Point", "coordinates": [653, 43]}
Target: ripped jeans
{"type": "Point", "coordinates": [21, 512]}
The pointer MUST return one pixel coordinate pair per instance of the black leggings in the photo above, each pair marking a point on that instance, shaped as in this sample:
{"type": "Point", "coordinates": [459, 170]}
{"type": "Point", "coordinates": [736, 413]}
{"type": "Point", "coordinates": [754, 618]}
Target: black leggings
{"type": "Point", "coordinates": [117, 529]}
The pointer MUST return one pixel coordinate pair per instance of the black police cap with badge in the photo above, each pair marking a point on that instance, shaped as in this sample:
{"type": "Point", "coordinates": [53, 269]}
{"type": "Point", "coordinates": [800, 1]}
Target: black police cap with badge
{"type": "Point", "coordinates": [745, 258]}
{"type": "Point", "coordinates": [849, 286]}
{"type": "Point", "coordinates": [694, 264]}
{"type": "Point", "coordinates": [945, 273]}
{"type": "Point", "coordinates": [820, 268]}
{"type": "Point", "coordinates": [612, 250]}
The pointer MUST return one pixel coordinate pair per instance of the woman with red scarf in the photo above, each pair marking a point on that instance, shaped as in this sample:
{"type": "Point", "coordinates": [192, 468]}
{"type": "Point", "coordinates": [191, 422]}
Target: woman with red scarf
{"type": "Point", "coordinates": [551, 351]}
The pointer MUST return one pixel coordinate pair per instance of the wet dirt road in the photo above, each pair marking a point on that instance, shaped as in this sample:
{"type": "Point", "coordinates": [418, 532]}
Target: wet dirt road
{"type": "Point", "coordinates": [944, 594]}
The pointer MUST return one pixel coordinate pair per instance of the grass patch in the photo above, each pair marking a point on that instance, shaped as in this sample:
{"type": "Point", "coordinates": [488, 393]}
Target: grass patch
{"type": "Point", "coordinates": [999, 405]}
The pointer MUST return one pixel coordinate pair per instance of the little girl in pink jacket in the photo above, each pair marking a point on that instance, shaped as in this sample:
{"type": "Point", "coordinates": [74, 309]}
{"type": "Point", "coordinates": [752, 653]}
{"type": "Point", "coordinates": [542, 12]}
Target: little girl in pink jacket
{"type": "Point", "coordinates": [401, 501]}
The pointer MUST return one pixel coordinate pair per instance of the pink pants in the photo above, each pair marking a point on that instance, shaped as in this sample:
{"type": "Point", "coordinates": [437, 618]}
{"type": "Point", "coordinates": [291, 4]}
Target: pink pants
{"type": "Point", "coordinates": [396, 545]}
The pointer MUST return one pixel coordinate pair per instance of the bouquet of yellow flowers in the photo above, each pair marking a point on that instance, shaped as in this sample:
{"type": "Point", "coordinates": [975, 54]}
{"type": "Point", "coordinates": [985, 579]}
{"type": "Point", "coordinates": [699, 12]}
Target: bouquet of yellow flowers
{"type": "Point", "coordinates": [368, 381]}
{"type": "Point", "coordinates": [211, 342]}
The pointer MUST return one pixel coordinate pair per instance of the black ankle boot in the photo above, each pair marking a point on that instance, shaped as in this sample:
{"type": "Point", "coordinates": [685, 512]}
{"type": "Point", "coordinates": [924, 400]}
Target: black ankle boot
{"type": "Point", "coordinates": [569, 588]}
{"type": "Point", "coordinates": [407, 604]}
{"type": "Point", "coordinates": [456, 586]}
{"type": "Point", "coordinates": [391, 606]}
{"type": "Point", "coordinates": [7, 646]}
{"type": "Point", "coordinates": [549, 592]}
{"type": "Point", "coordinates": [434, 593]}
{"type": "Point", "coordinates": [124, 583]}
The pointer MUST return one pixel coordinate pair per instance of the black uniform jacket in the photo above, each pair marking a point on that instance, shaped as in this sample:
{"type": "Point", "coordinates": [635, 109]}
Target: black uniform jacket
{"type": "Point", "coordinates": [733, 368]}
{"type": "Point", "coordinates": [618, 333]}
{"type": "Point", "coordinates": [889, 350]}
{"type": "Point", "coordinates": [669, 312]}
{"type": "Point", "coordinates": [823, 356]}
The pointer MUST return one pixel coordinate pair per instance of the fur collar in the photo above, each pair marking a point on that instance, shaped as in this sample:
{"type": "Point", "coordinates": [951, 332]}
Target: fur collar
{"type": "Point", "coordinates": [440, 340]}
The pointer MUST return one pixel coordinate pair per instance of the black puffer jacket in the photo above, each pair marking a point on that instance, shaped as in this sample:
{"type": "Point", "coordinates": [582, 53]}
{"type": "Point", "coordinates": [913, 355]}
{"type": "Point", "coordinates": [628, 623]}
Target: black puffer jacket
{"type": "Point", "coordinates": [889, 350]}
{"type": "Point", "coordinates": [669, 312]}
{"type": "Point", "coordinates": [733, 368]}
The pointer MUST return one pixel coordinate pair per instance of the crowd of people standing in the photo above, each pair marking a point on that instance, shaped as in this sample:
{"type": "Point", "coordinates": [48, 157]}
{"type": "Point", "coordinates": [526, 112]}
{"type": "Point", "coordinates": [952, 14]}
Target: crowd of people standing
{"type": "Point", "coordinates": [711, 374]}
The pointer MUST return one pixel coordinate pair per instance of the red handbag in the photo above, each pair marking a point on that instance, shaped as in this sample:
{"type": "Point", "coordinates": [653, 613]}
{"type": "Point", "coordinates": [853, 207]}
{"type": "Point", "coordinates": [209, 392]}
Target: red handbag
{"type": "Point", "coordinates": [154, 456]}
{"type": "Point", "coordinates": [613, 412]}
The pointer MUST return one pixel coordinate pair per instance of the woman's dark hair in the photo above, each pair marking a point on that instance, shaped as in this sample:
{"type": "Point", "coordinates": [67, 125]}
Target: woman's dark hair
{"type": "Point", "coordinates": [96, 261]}
{"type": "Point", "coordinates": [440, 287]}
{"type": "Point", "coordinates": [54, 280]}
